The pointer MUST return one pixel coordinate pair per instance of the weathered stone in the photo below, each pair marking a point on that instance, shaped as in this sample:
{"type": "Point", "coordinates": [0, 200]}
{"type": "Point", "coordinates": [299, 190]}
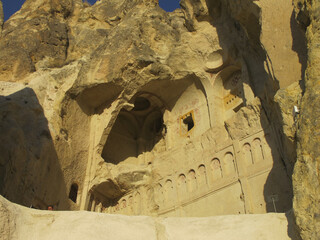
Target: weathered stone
{"type": "Point", "coordinates": [144, 112]}
{"type": "Point", "coordinates": [306, 177]}
{"type": "Point", "coordinates": [289, 101]}
{"type": "Point", "coordinates": [22, 223]}
{"type": "Point", "coordinates": [39, 41]}
{"type": "Point", "coordinates": [26, 149]}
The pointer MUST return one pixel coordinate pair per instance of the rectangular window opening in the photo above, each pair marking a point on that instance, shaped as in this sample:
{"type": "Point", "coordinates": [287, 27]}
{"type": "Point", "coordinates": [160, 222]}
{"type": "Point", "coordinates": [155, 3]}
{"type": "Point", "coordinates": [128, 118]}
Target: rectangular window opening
{"type": "Point", "coordinates": [187, 123]}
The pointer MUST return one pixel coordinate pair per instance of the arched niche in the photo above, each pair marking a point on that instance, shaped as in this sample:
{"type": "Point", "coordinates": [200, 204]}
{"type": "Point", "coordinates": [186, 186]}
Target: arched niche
{"type": "Point", "coordinates": [202, 175]}
{"type": "Point", "coordinates": [228, 93]}
{"type": "Point", "coordinates": [229, 164]}
{"type": "Point", "coordinates": [107, 193]}
{"type": "Point", "coordinates": [192, 181]}
{"type": "Point", "coordinates": [182, 186]}
{"type": "Point", "coordinates": [137, 129]}
{"type": "Point", "coordinates": [257, 149]}
{"type": "Point", "coordinates": [160, 116]}
{"type": "Point", "coordinates": [248, 153]}
{"type": "Point", "coordinates": [216, 169]}
{"type": "Point", "coordinates": [168, 192]}
{"type": "Point", "coordinates": [122, 140]}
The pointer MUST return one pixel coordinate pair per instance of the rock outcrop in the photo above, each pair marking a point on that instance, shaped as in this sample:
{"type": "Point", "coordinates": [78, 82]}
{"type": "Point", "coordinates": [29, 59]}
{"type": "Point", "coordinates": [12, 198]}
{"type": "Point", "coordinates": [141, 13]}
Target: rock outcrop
{"type": "Point", "coordinates": [37, 34]}
{"type": "Point", "coordinates": [23, 223]}
{"type": "Point", "coordinates": [306, 177]}
{"type": "Point", "coordinates": [121, 107]}
{"type": "Point", "coordinates": [29, 165]}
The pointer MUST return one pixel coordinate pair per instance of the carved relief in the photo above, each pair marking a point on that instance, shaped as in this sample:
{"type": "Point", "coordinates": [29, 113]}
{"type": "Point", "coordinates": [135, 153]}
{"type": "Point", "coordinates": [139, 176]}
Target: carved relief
{"type": "Point", "coordinates": [257, 150]}
{"type": "Point", "coordinates": [123, 204]}
{"type": "Point", "coordinates": [201, 181]}
{"type": "Point", "coordinates": [202, 176]}
{"type": "Point", "coordinates": [248, 153]}
{"type": "Point", "coordinates": [169, 193]}
{"type": "Point", "coordinates": [182, 186]}
{"type": "Point", "coordinates": [192, 181]}
{"type": "Point", "coordinates": [229, 165]}
{"type": "Point", "coordinates": [216, 169]}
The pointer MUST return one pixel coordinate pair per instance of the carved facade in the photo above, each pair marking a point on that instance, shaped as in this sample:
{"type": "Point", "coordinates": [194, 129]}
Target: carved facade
{"type": "Point", "coordinates": [149, 112]}
{"type": "Point", "coordinates": [164, 129]}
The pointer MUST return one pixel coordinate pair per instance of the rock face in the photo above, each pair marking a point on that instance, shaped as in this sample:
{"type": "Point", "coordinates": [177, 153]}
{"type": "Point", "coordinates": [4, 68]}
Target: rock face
{"type": "Point", "coordinates": [121, 107]}
{"type": "Point", "coordinates": [25, 135]}
{"type": "Point", "coordinates": [306, 177]}
{"type": "Point", "coordinates": [40, 37]}
{"type": "Point", "coordinates": [23, 223]}
{"type": "Point", "coordinates": [1, 17]}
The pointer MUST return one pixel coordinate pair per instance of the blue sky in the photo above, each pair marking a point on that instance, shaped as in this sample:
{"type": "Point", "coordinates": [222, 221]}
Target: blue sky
{"type": "Point", "coordinates": [11, 6]}
{"type": "Point", "coordinates": [169, 5]}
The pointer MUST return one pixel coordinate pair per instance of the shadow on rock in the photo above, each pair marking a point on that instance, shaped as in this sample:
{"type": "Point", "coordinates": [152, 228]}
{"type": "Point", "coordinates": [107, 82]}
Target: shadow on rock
{"type": "Point", "coordinates": [30, 172]}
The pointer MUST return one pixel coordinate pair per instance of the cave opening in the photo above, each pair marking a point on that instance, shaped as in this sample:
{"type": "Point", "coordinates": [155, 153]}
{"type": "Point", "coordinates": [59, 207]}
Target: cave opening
{"type": "Point", "coordinates": [136, 130]}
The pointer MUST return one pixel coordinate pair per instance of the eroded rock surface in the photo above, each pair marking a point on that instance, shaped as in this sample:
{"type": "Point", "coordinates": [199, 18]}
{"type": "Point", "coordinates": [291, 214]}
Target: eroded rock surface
{"type": "Point", "coordinates": [24, 223]}
{"type": "Point", "coordinates": [129, 90]}
{"type": "Point", "coordinates": [144, 112]}
{"type": "Point", "coordinates": [306, 177]}
{"type": "Point", "coordinates": [29, 165]}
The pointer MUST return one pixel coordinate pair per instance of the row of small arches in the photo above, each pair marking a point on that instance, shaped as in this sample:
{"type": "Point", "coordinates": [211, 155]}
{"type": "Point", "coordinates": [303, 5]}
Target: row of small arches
{"type": "Point", "coordinates": [186, 185]}
{"type": "Point", "coordinates": [130, 204]}
{"type": "Point", "coordinates": [254, 152]}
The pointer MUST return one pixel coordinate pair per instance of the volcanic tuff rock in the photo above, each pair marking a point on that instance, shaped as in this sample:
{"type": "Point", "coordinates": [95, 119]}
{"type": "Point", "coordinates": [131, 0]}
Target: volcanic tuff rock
{"type": "Point", "coordinates": [23, 223]}
{"type": "Point", "coordinates": [306, 177]}
{"type": "Point", "coordinates": [121, 107]}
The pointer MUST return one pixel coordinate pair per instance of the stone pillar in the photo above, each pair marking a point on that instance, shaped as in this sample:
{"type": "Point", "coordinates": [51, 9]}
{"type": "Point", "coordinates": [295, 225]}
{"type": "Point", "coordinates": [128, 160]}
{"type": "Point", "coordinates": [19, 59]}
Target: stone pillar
{"type": "Point", "coordinates": [93, 206]}
{"type": "Point", "coordinates": [99, 207]}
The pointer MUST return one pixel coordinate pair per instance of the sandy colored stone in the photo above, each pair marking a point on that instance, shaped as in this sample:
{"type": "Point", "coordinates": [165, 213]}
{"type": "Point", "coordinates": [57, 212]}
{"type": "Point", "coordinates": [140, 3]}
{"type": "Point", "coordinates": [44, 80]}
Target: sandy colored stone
{"type": "Point", "coordinates": [283, 41]}
{"type": "Point", "coordinates": [123, 108]}
{"type": "Point", "coordinates": [289, 100]}
{"type": "Point", "coordinates": [306, 178]}
{"type": "Point", "coordinates": [23, 124]}
{"type": "Point", "coordinates": [23, 223]}
{"type": "Point", "coordinates": [90, 68]}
